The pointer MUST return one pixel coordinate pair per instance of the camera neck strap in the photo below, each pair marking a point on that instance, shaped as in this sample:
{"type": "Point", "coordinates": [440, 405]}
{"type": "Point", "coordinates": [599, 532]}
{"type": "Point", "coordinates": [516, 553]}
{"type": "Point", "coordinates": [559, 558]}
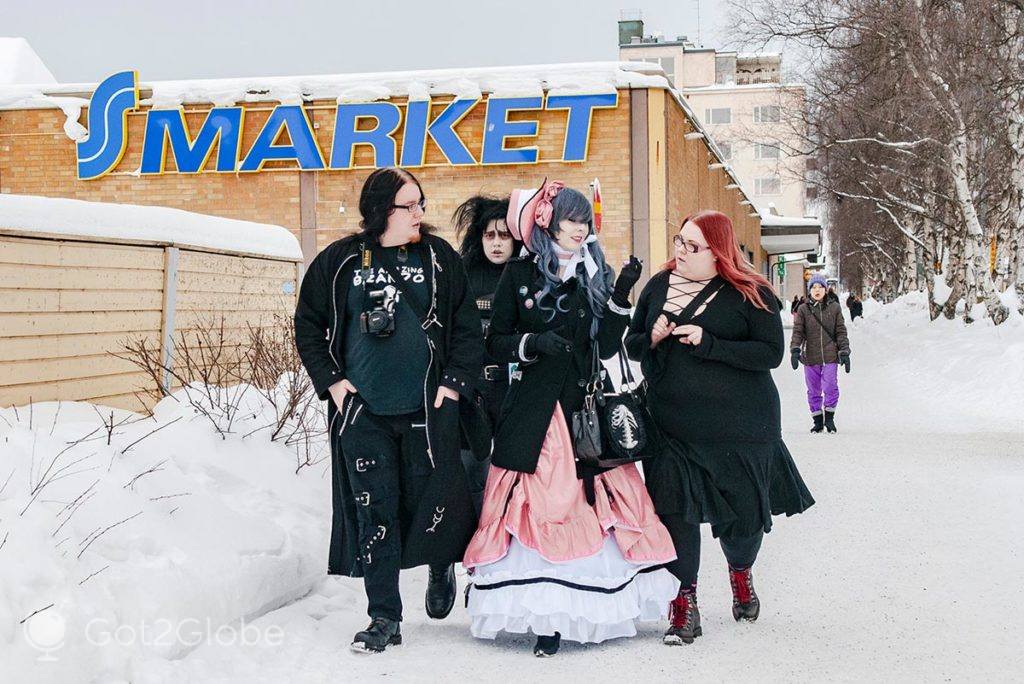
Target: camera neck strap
{"type": "Point", "coordinates": [427, 318]}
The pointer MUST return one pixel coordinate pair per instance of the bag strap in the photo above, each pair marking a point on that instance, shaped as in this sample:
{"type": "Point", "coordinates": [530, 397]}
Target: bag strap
{"type": "Point", "coordinates": [828, 332]}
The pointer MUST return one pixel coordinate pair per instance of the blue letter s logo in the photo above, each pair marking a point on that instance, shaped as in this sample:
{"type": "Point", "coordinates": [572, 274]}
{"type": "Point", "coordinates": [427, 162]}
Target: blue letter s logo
{"type": "Point", "coordinates": [102, 150]}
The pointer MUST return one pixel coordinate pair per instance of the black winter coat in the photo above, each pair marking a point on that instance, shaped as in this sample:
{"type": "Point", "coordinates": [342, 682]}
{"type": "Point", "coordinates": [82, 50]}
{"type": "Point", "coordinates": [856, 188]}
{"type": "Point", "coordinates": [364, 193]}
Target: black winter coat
{"type": "Point", "coordinates": [526, 412]}
{"type": "Point", "coordinates": [456, 359]}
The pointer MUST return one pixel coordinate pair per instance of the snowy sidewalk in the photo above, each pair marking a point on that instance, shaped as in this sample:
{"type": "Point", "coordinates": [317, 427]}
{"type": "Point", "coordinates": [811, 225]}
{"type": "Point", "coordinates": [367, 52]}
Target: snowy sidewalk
{"type": "Point", "coordinates": [908, 567]}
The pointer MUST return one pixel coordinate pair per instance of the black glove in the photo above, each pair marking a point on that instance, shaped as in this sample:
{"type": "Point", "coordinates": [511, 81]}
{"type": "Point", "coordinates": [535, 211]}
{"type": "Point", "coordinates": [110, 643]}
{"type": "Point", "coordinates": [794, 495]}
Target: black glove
{"type": "Point", "coordinates": [794, 357]}
{"type": "Point", "coordinates": [628, 277]}
{"type": "Point", "coordinates": [549, 343]}
{"type": "Point", "coordinates": [844, 358]}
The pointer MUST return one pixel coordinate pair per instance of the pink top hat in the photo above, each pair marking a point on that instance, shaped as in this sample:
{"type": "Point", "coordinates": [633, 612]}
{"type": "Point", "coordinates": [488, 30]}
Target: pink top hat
{"type": "Point", "coordinates": [529, 208]}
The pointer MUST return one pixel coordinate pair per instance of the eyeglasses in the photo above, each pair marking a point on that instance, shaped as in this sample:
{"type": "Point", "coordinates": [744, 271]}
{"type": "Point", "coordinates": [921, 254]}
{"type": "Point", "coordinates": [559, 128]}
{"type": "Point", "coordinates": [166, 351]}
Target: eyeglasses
{"type": "Point", "coordinates": [412, 206]}
{"type": "Point", "coordinates": [688, 245]}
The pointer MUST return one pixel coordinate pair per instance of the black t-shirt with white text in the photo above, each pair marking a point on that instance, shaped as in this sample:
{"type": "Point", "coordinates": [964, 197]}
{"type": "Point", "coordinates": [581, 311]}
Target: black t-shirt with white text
{"type": "Point", "coordinates": [388, 372]}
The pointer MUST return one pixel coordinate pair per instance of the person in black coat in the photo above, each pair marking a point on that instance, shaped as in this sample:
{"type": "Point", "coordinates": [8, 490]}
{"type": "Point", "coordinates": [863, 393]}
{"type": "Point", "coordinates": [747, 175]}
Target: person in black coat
{"type": "Point", "coordinates": [707, 332]}
{"type": "Point", "coordinates": [559, 549]}
{"type": "Point", "coordinates": [486, 246]}
{"type": "Point", "coordinates": [388, 331]}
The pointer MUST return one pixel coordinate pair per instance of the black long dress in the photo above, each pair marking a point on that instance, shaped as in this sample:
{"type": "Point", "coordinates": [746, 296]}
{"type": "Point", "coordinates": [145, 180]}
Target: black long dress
{"type": "Point", "coordinates": [724, 461]}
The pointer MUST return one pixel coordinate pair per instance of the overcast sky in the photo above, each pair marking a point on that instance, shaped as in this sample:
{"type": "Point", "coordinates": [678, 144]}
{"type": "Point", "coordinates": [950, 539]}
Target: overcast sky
{"type": "Point", "coordinates": [84, 41]}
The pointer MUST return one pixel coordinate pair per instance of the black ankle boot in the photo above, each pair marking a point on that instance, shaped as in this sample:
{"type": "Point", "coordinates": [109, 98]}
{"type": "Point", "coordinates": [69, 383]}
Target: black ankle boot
{"type": "Point", "coordinates": [547, 646]}
{"type": "Point", "coordinates": [830, 420]}
{"type": "Point", "coordinates": [440, 592]}
{"type": "Point", "coordinates": [819, 423]}
{"type": "Point", "coordinates": [381, 633]}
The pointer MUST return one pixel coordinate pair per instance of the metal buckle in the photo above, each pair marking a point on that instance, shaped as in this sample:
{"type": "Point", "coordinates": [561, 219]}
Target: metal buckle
{"type": "Point", "coordinates": [362, 465]}
{"type": "Point", "coordinates": [363, 499]}
{"type": "Point", "coordinates": [496, 370]}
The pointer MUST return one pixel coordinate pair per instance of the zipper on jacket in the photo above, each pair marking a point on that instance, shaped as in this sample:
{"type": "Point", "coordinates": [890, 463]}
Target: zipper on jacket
{"type": "Point", "coordinates": [333, 331]}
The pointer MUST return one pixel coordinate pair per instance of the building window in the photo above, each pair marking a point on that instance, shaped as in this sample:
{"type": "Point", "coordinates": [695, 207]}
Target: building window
{"type": "Point", "coordinates": [812, 192]}
{"type": "Point", "coordinates": [669, 65]}
{"type": "Point", "coordinates": [765, 151]}
{"type": "Point", "coordinates": [726, 149]}
{"type": "Point", "coordinates": [718, 115]}
{"type": "Point", "coordinates": [767, 114]}
{"type": "Point", "coordinates": [768, 185]}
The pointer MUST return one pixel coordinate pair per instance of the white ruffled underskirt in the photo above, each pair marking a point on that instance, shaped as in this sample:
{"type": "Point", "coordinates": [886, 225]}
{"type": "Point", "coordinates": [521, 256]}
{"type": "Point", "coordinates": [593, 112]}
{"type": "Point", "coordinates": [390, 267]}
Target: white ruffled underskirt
{"type": "Point", "coordinates": [577, 614]}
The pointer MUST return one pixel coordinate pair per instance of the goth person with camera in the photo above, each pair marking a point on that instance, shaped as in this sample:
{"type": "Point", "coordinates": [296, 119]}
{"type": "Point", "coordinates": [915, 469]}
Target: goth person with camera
{"type": "Point", "coordinates": [559, 551]}
{"type": "Point", "coordinates": [486, 246]}
{"type": "Point", "coordinates": [707, 333]}
{"type": "Point", "coordinates": [390, 335]}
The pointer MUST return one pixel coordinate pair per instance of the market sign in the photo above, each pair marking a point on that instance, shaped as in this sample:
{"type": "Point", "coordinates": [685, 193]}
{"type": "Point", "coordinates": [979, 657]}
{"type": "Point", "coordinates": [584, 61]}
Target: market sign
{"type": "Point", "coordinates": [167, 132]}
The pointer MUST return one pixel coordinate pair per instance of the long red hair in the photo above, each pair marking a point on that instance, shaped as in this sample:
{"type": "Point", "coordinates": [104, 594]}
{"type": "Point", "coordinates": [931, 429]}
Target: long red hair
{"type": "Point", "coordinates": [732, 264]}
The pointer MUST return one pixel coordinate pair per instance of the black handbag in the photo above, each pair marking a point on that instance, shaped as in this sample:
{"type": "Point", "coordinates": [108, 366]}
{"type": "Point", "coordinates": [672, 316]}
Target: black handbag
{"type": "Point", "coordinates": [612, 428]}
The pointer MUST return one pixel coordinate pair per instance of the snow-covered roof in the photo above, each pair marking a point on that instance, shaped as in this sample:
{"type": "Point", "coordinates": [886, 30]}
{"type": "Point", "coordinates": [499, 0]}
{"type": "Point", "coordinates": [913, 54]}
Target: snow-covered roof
{"type": "Point", "coordinates": [19, 64]}
{"type": "Point", "coordinates": [720, 87]}
{"type": "Point", "coordinates": [770, 220]}
{"type": "Point", "coordinates": [508, 81]}
{"type": "Point", "coordinates": [130, 223]}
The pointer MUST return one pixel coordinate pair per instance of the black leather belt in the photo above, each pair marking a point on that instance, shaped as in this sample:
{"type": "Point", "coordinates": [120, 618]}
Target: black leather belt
{"type": "Point", "coordinates": [495, 373]}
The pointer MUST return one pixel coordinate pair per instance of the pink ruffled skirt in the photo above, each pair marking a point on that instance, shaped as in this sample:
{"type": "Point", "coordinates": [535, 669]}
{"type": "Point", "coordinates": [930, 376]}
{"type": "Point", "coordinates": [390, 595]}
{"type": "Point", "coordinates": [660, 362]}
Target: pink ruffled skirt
{"type": "Point", "coordinates": [544, 560]}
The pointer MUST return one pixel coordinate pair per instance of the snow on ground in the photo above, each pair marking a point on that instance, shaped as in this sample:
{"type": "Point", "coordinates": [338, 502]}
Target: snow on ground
{"type": "Point", "coordinates": [908, 567]}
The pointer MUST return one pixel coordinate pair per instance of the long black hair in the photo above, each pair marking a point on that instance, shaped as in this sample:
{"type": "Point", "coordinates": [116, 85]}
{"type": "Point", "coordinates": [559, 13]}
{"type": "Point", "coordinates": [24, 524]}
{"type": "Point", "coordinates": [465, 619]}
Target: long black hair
{"type": "Point", "coordinates": [377, 199]}
{"type": "Point", "coordinates": [471, 220]}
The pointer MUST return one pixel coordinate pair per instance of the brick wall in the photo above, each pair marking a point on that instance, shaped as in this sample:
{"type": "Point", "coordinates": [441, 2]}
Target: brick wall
{"type": "Point", "coordinates": [36, 158]}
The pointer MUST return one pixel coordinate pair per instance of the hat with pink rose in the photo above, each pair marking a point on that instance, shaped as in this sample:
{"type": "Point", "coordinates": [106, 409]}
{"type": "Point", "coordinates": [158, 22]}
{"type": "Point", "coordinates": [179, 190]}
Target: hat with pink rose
{"type": "Point", "coordinates": [531, 208]}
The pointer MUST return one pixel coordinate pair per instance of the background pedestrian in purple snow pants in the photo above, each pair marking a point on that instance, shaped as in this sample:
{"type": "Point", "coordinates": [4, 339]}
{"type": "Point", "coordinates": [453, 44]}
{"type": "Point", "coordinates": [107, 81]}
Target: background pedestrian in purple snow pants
{"type": "Point", "coordinates": [819, 342]}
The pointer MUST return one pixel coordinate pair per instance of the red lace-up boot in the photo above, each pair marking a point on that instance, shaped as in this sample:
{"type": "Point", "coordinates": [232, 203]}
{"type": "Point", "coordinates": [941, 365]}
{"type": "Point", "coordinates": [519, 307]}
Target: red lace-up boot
{"type": "Point", "coordinates": [745, 604]}
{"type": "Point", "coordinates": [684, 619]}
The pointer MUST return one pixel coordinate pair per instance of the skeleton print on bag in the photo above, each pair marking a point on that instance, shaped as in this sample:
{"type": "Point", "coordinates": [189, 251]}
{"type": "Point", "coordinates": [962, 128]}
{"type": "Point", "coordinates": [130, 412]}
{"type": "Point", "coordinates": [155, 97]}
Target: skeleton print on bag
{"type": "Point", "coordinates": [624, 427]}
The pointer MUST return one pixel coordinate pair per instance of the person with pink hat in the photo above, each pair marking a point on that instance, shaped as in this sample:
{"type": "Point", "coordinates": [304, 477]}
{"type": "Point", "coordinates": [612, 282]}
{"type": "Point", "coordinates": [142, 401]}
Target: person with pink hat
{"type": "Point", "coordinates": [561, 550]}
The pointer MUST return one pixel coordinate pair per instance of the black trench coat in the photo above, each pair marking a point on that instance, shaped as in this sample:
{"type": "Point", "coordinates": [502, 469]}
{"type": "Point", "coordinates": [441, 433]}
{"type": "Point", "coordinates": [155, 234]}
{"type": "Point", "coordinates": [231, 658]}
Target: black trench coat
{"type": "Point", "coordinates": [456, 360]}
{"type": "Point", "coordinates": [526, 412]}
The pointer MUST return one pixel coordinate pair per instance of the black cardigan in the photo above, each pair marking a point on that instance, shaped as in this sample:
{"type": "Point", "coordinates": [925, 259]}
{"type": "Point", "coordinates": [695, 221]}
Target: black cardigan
{"type": "Point", "coordinates": [530, 402]}
{"type": "Point", "coordinates": [722, 389]}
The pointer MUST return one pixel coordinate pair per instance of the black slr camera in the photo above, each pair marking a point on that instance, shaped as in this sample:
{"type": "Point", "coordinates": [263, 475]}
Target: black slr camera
{"type": "Point", "coordinates": [379, 317]}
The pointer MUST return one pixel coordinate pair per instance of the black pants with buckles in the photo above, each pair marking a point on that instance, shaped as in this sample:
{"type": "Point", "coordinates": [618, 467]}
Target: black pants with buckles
{"type": "Point", "coordinates": [388, 469]}
{"type": "Point", "coordinates": [493, 385]}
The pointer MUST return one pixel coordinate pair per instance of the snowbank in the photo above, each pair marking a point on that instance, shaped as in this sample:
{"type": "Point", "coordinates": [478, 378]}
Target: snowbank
{"type": "Point", "coordinates": [976, 370]}
{"type": "Point", "coordinates": [47, 215]}
{"type": "Point", "coordinates": [143, 546]}
{"type": "Point", "coordinates": [559, 79]}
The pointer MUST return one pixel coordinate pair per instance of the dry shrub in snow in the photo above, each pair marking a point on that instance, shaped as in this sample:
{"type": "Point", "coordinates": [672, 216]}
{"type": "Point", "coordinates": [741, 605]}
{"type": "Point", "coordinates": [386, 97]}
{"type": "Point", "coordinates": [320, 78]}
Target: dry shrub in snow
{"type": "Point", "coordinates": [247, 383]}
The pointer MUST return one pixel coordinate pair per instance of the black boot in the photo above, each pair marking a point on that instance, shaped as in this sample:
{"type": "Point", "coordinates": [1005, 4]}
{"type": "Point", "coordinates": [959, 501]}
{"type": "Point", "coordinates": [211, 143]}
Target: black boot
{"type": "Point", "coordinates": [381, 633]}
{"type": "Point", "coordinates": [547, 646]}
{"type": "Point", "coordinates": [819, 423]}
{"type": "Point", "coordinates": [440, 592]}
{"type": "Point", "coordinates": [745, 604]}
{"type": "Point", "coordinates": [684, 620]}
{"type": "Point", "coordinates": [830, 420]}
